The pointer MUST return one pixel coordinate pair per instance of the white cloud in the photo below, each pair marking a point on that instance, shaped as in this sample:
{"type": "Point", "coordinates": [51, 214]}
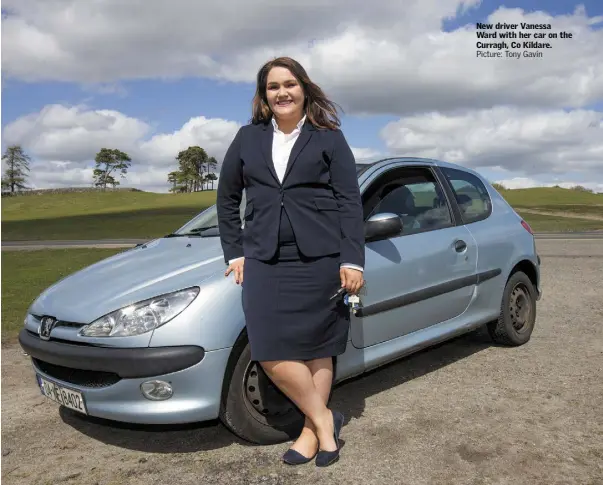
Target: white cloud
{"type": "Point", "coordinates": [380, 56]}
{"type": "Point", "coordinates": [75, 133]}
{"type": "Point", "coordinates": [63, 141]}
{"type": "Point", "coordinates": [531, 117]}
{"type": "Point", "coordinates": [535, 142]}
{"type": "Point", "coordinates": [361, 153]}
{"type": "Point", "coordinates": [213, 135]}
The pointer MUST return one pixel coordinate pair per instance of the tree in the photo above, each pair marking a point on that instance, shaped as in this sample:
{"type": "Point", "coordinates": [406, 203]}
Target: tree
{"type": "Point", "coordinates": [190, 176]}
{"type": "Point", "coordinates": [107, 161]}
{"type": "Point", "coordinates": [581, 188]}
{"type": "Point", "coordinates": [191, 163]}
{"type": "Point", "coordinates": [195, 171]}
{"type": "Point", "coordinates": [17, 164]}
{"type": "Point", "coordinates": [498, 186]}
{"type": "Point", "coordinates": [178, 182]}
{"type": "Point", "coordinates": [212, 163]}
{"type": "Point", "coordinates": [212, 176]}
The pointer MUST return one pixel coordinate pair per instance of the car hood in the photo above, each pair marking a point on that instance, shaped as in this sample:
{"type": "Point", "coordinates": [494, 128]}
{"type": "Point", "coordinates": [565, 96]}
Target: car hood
{"type": "Point", "coordinates": [160, 266]}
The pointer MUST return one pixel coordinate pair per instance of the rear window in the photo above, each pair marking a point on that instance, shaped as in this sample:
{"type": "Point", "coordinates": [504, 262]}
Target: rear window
{"type": "Point", "coordinates": [471, 195]}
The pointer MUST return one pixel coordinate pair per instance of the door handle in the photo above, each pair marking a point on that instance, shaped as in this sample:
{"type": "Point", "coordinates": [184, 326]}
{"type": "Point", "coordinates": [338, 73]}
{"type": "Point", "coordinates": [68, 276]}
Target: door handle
{"type": "Point", "coordinates": [460, 246]}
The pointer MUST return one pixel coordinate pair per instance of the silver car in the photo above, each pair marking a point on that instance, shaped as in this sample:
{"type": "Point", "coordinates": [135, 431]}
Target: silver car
{"type": "Point", "coordinates": [156, 334]}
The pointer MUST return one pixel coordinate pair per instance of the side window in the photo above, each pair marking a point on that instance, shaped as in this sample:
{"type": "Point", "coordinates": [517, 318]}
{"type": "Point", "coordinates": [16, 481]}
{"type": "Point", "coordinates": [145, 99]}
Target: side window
{"type": "Point", "coordinates": [415, 196]}
{"type": "Point", "coordinates": [471, 194]}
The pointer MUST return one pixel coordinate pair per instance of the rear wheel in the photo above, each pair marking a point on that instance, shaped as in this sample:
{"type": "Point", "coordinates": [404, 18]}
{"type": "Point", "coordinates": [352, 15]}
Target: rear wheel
{"type": "Point", "coordinates": [254, 408]}
{"type": "Point", "coordinates": [517, 313]}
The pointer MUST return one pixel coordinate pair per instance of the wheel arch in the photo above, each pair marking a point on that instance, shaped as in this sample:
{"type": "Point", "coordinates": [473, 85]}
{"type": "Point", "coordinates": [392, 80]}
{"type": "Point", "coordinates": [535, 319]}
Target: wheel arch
{"type": "Point", "coordinates": [529, 268]}
{"type": "Point", "coordinates": [235, 351]}
{"type": "Point", "coordinates": [240, 343]}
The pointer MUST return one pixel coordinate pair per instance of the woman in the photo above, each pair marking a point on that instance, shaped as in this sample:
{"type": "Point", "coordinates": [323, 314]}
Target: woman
{"type": "Point", "coordinates": [301, 242]}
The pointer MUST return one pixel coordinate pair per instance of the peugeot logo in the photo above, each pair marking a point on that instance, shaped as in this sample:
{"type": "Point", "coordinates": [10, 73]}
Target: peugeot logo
{"type": "Point", "coordinates": [46, 326]}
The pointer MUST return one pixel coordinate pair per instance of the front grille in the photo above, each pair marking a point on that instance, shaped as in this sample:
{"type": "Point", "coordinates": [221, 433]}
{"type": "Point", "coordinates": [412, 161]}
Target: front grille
{"type": "Point", "coordinates": [78, 377]}
{"type": "Point", "coordinates": [62, 341]}
{"type": "Point", "coordinates": [60, 323]}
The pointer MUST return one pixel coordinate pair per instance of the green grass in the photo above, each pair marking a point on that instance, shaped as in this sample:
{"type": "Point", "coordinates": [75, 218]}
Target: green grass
{"type": "Point", "coordinates": [546, 223]}
{"type": "Point", "coordinates": [25, 274]}
{"type": "Point", "coordinates": [98, 215]}
{"type": "Point", "coordinates": [574, 209]}
{"type": "Point", "coordinates": [550, 196]}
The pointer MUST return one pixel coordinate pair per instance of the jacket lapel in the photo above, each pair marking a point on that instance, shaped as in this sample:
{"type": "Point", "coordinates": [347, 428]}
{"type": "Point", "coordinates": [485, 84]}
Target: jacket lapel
{"type": "Point", "coordinates": [300, 143]}
{"type": "Point", "coordinates": [267, 135]}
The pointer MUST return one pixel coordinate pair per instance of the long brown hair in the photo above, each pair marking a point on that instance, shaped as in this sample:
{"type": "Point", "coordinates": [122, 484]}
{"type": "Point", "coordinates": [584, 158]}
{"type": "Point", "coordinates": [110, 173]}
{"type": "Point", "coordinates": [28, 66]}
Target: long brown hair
{"type": "Point", "coordinates": [319, 110]}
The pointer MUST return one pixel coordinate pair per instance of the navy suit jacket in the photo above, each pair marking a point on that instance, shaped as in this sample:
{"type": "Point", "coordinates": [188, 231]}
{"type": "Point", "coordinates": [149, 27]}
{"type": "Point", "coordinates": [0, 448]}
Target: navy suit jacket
{"type": "Point", "coordinates": [319, 192]}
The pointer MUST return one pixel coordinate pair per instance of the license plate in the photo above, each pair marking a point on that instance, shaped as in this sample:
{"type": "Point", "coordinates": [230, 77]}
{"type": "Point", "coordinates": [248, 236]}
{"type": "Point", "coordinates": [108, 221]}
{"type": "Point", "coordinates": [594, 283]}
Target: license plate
{"type": "Point", "coordinates": [67, 397]}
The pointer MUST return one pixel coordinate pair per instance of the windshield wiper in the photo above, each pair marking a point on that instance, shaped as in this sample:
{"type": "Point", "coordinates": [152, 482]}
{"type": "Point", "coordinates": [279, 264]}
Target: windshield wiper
{"type": "Point", "coordinates": [193, 232]}
{"type": "Point", "coordinates": [201, 229]}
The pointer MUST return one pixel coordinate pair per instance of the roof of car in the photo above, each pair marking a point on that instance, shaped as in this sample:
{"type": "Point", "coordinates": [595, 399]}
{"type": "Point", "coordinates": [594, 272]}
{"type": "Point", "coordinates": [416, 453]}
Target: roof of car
{"type": "Point", "coordinates": [371, 161]}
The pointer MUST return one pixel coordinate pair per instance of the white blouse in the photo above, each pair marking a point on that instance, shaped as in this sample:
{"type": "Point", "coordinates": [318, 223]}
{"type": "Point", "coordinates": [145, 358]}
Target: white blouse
{"type": "Point", "coordinates": [282, 144]}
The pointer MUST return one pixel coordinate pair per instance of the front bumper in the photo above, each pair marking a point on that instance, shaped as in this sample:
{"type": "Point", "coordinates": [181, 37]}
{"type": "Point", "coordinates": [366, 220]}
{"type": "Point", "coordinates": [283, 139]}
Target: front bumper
{"type": "Point", "coordinates": [125, 362]}
{"type": "Point", "coordinates": [111, 390]}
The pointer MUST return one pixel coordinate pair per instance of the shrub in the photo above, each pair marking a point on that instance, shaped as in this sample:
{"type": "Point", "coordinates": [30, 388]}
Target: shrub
{"type": "Point", "coordinates": [581, 188]}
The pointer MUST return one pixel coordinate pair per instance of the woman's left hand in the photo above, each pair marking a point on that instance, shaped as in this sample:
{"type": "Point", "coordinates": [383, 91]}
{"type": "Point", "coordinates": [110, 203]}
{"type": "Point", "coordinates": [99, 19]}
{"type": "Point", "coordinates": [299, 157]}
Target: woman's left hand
{"type": "Point", "coordinates": [351, 279]}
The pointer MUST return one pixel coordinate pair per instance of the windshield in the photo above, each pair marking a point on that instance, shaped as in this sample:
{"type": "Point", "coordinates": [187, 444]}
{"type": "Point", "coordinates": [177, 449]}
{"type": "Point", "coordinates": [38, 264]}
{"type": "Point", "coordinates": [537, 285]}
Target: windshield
{"type": "Point", "coordinates": [206, 223]}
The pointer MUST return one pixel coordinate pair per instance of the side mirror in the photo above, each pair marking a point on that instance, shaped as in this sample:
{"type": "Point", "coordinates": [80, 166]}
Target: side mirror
{"type": "Point", "coordinates": [382, 226]}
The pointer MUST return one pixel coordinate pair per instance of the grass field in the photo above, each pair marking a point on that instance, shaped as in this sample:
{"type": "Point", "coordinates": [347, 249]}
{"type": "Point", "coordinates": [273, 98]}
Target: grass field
{"type": "Point", "coordinates": [563, 203]}
{"type": "Point", "coordinates": [547, 223]}
{"type": "Point", "coordinates": [116, 215]}
{"type": "Point", "coordinates": [98, 215]}
{"type": "Point", "coordinates": [26, 273]}
{"type": "Point", "coordinates": [576, 210]}
{"type": "Point", "coordinates": [550, 196]}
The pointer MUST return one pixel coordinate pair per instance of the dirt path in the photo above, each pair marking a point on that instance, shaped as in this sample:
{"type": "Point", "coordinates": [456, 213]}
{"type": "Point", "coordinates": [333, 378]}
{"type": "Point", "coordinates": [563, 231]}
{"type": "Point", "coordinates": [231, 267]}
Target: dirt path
{"type": "Point", "coordinates": [570, 215]}
{"type": "Point", "coordinates": [465, 412]}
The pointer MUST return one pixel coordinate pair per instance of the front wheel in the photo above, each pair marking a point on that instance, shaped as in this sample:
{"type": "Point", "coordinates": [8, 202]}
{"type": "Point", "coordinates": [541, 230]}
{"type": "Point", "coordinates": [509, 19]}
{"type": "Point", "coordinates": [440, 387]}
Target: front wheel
{"type": "Point", "coordinates": [517, 313]}
{"type": "Point", "coordinates": [253, 408]}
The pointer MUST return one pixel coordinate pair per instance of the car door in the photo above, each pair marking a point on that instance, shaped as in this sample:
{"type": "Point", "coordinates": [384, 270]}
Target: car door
{"type": "Point", "coordinates": [422, 277]}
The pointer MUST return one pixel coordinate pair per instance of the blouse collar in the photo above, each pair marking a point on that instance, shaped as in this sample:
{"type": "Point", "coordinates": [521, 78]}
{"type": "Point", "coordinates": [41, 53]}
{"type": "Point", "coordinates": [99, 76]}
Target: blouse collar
{"type": "Point", "coordinates": [299, 124]}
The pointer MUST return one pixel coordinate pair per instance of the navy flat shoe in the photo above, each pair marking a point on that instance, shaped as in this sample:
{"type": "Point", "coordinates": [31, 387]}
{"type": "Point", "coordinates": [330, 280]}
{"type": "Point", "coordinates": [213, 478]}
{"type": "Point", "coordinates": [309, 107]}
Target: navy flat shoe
{"type": "Point", "coordinates": [292, 457]}
{"type": "Point", "coordinates": [326, 458]}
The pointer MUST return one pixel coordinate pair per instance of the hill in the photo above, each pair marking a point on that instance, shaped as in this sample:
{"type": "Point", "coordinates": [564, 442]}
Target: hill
{"type": "Point", "coordinates": [99, 215]}
{"type": "Point", "coordinates": [137, 214]}
{"type": "Point", "coordinates": [550, 196]}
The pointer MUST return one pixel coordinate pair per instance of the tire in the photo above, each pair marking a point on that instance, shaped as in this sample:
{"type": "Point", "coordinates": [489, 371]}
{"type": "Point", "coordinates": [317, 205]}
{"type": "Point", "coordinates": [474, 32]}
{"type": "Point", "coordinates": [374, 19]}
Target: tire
{"type": "Point", "coordinates": [517, 312]}
{"type": "Point", "coordinates": [255, 409]}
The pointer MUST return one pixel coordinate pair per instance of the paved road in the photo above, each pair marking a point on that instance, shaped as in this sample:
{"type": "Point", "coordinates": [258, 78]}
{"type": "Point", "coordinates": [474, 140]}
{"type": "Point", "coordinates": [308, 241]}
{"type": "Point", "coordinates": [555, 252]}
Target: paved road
{"type": "Point", "coordinates": [570, 235]}
{"type": "Point", "coordinates": [126, 243]}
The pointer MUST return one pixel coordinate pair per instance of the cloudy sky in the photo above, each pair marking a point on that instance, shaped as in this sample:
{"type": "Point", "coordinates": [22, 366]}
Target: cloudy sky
{"type": "Point", "coordinates": [152, 77]}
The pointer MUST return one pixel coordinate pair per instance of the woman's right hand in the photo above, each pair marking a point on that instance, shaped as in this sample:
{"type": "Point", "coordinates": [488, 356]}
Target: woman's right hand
{"type": "Point", "coordinates": [237, 267]}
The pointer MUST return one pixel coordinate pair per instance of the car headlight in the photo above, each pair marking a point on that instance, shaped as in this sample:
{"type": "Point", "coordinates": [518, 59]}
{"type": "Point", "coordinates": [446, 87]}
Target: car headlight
{"type": "Point", "coordinates": [141, 317]}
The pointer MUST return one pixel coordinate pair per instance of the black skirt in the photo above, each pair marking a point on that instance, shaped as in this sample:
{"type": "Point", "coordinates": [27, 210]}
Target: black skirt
{"type": "Point", "coordinates": [286, 303]}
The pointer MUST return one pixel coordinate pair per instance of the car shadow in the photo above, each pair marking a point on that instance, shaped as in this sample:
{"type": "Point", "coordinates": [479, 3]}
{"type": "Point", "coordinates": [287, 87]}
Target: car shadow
{"type": "Point", "coordinates": [173, 438]}
{"type": "Point", "coordinates": [348, 396]}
